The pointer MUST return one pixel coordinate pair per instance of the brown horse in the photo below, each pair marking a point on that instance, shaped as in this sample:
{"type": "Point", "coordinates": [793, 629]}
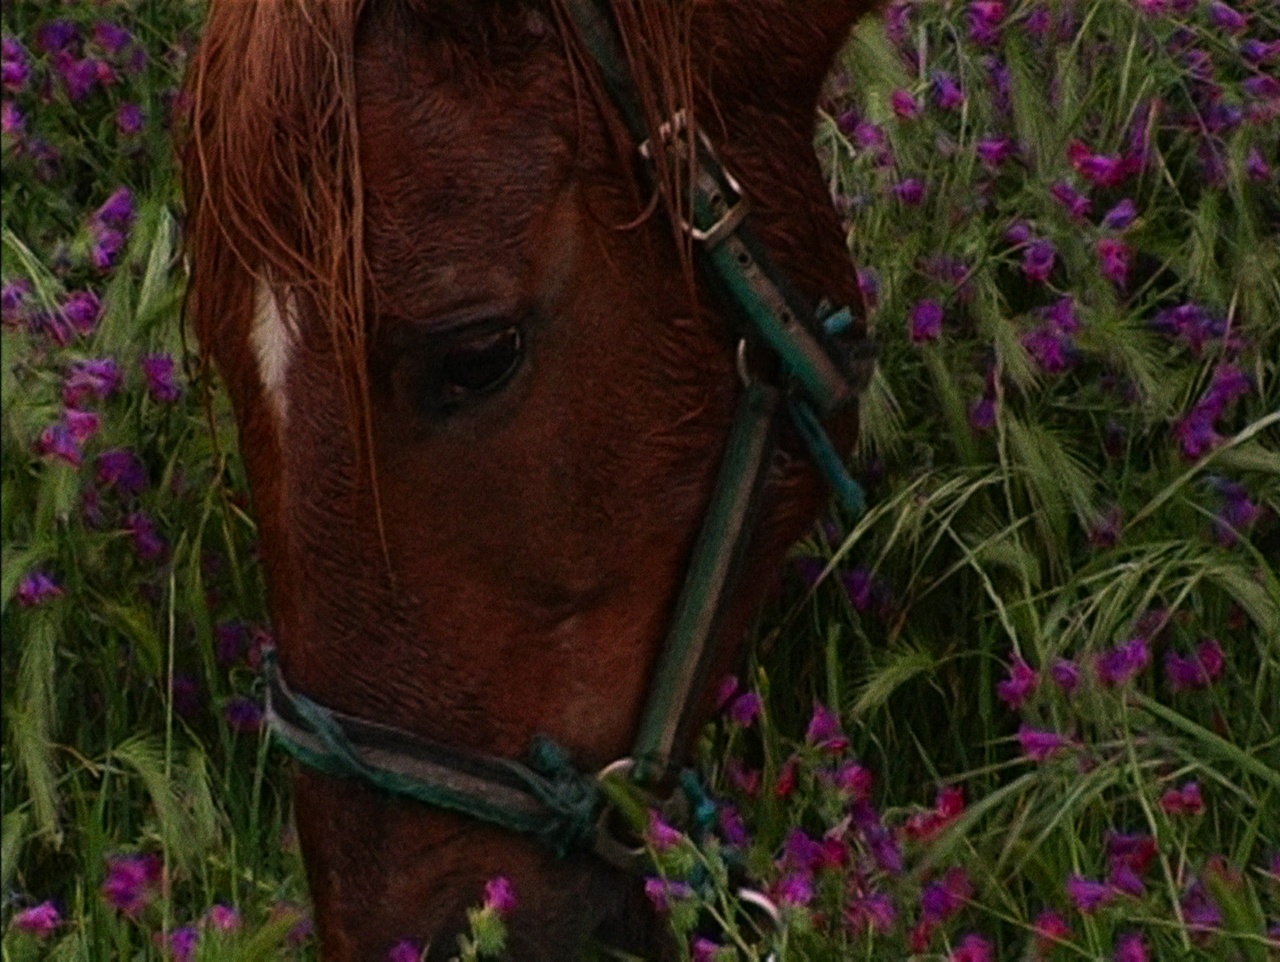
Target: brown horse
{"type": "Point", "coordinates": [482, 399]}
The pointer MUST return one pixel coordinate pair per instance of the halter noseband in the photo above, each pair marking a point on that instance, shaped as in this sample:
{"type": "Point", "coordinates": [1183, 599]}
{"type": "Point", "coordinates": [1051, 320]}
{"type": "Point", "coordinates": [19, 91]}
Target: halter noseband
{"type": "Point", "coordinates": [821, 371]}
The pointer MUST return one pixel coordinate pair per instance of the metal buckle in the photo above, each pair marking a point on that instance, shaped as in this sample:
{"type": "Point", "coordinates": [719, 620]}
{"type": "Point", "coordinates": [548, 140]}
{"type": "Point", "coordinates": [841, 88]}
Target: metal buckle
{"type": "Point", "coordinates": [731, 211]}
{"type": "Point", "coordinates": [607, 845]}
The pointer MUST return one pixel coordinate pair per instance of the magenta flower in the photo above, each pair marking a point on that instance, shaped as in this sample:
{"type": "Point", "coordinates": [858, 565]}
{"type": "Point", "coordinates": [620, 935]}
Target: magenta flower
{"type": "Point", "coordinates": [158, 370]}
{"type": "Point", "coordinates": [946, 91]}
{"type": "Point", "coordinates": [82, 310]}
{"type": "Point", "coordinates": [1102, 170]}
{"type": "Point", "coordinates": [1121, 215]}
{"type": "Point", "coordinates": [1076, 203]}
{"type": "Point", "coordinates": [926, 321]}
{"type": "Point", "coordinates": [79, 77]}
{"type": "Point", "coordinates": [13, 122]}
{"type": "Point", "coordinates": [1186, 800]}
{"type": "Point", "coordinates": [825, 731]}
{"type": "Point", "coordinates": [1020, 684]}
{"type": "Point", "coordinates": [244, 715]}
{"type": "Point", "coordinates": [1115, 257]}
{"type": "Point", "coordinates": [1131, 947]}
{"type": "Point", "coordinates": [1049, 929]}
{"type": "Point", "coordinates": [406, 950]}
{"type": "Point", "coordinates": [1065, 674]}
{"type": "Point", "coordinates": [1053, 352]}
{"type": "Point", "coordinates": [1088, 895]}
{"type": "Point", "coordinates": [1120, 665]}
{"type": "Point", "coordinates": [1040, 744]}
{"type": "Point", "coordinates": [904, 104]}
{"type": "Point", "coordinates": [15, 67]}
{"type": "Point", "coordinates": [704, 950]}
{"type": "Point", "coordinates": [131, 883]}
{"type": "Point", "coordinates": [973, 948]}
{"type": "Point", "coordinates": [994, 151]}
{"type": "Point", "coordinates": [660, 836]}
{"type": "Point", "coordinates": [1038, 260]}
{"type": "Point", "coordinates": [56, 441]}
{"type": "Point", "coordinates": [39, 920]}
{"type": "Point", "coordinates": [855, 779]}
{"type": "Point", "coordinates": [662, 893]}
{"type": "Point", "coordinates": [1197, 671]}
{"type": "Point", "coordinates": [874, 912]}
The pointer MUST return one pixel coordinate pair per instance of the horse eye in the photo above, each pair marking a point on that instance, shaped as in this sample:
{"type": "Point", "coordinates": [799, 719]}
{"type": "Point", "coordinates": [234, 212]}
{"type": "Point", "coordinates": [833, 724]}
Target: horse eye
{"type": "Point", "coordinates": [481, 365]}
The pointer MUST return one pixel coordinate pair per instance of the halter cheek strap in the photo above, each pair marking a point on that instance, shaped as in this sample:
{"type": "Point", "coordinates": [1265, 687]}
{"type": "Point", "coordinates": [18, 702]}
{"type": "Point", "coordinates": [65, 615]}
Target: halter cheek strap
{"type": "Point", "coordinates": [822, 370]}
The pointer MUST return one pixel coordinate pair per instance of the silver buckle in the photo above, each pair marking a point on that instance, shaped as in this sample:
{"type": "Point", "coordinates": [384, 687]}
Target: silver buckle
{"type": "Point", "coordinates": [733, 210]}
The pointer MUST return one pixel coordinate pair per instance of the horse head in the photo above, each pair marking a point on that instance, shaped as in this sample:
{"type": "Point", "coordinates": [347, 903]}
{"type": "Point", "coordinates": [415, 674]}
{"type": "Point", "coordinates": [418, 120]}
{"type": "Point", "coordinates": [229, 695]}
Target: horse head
{"type": "Point", "coordinates": [483, 393]}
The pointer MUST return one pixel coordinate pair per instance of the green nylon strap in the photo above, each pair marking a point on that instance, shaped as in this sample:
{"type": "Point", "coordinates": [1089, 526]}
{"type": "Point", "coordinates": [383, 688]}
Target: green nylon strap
{"type": "Point", "coordinates": [547, 799]}
{"type": "Point", "coordinates": [709, 580]}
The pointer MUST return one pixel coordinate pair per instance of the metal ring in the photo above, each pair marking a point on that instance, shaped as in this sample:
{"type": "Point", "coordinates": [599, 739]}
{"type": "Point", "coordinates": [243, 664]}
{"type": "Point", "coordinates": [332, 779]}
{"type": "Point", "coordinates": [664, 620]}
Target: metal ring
{"type": "Point", "coordinates": [744, 374]}
{"type": "Point", "coordinates": [768, 906]}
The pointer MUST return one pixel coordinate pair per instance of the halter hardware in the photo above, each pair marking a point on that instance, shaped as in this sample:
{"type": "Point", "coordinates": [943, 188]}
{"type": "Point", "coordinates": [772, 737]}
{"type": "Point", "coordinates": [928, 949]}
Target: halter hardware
{"type": "Point", "coordinates": [820, 371]}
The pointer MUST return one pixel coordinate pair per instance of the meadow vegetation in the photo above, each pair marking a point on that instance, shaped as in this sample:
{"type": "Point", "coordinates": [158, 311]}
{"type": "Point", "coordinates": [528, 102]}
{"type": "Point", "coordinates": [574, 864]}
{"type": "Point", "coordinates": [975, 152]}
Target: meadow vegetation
{"type": "Point", "coordinates": [1027, 707]}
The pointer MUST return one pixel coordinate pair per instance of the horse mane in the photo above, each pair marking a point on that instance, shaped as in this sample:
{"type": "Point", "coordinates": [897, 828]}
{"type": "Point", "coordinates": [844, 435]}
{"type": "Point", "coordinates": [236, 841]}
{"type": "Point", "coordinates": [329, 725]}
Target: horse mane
{"type": "Point", "coordinates": [270, 154]}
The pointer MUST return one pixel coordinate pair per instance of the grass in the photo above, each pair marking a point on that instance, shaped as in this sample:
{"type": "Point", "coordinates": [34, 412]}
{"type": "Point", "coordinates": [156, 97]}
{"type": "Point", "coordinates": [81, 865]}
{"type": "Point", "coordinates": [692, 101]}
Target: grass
{"type": "Point", "coordinates": [1074, 484]}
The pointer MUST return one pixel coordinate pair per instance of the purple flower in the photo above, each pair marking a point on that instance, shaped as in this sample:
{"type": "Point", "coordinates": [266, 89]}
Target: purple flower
{"type": "Point", "coordinates": [732, 828]}
{"type": "Point", "coordinates": [1076, 203]}
{"type": "Point", "coordinates": [1120, 665]}
{"type": "Point", "coordinates": [926, 321]}
{"type": "Point", "coordinates": [1115, 256]}
{"type": "Point", "coordinates": [1237, 515]}
{"type": "Point", "coordinates": [406, 950]}
{"type": "Point", "coordinates": [1100, 169]}
{"type": "Point", "coordinates": [1226, 19]}
{"type": "Point", "coordinates": [704, 950]}
{"type": "Point", "coordinates": [244, 714]}
{"type": "Point", "coordinates": [98, 378]}
{"type": "Point", "coordinates": [122, 470]}
{"type": "Point", "coordinates": [1039, 21]}
{"type": "Point", "coordinates": [1019, 232]}
{"type": "Point", "coordinates": [1121, 215]}
{"type": "Point", "coordinates": [158, 370]}
{"type": "Point", "coordinates": [105, 244]}
{"type": "Point", "coordinates": [1259, 52]}
{"type": "Point", "coordinates": [904, 104]}
{"type": "Point", "coordinates": [1088, 895]}
{"type": "Point", "coordinates": [1256, 167]}
{"type": "Point", "coordinates": [39, 920]}
{"type": "Point", "coordinates": [56, 35]}
{"type": "Point", "coordinates": [1040, 744]}
{"type": "Point", "coordinates": [1200, 910]}
{"type": "Point", "coordinates": [12, 298]}
{"type": "Point", "coordinates": [855, 780]}
{"type": "Point", "coordinates": [1038, 260]}
{"type": "Point", "coordinates": [129, 119]}
{"type": "Point", "coordinates": [57, 441]}
{"type": "Point", "coordinates": [994, 151]}
{"type": "Point", "coordinates": [131, 882]}
{"type": "Point", "coordinates": [869, 286]}
{"type": "Point", "coordinates": [118, 210]}
{"type": "Point", "coordinates": [982, 414]}
{"type": "Point", "coordinates": [1051, 350]}
{"type": "Point", "coordinates": [79, 77]}
{"type": "Point", "coordinates": [1065, 674]}
{"type": "Point", "coordinates": [182, 943]}
{"type": "Point", "coordinates": [910, 191]}
{"type": "Point", "coordinates": [35, 589]}
{"type": "Point", "coordinates": [1131, 947]}
{"type": "Point", "coordinates": [874, 912]}
{"type": "Point", "coordinates": [15, 72]}
{"type": "Point", "coordinates": [984, 21]}
{"type": "Point", "coordinates": [82, 310]}
{"type": "Point", "coordinates": [942, 899]}
{"type": "Point", "coordinates": [746, 709]}
{"type": "Point", "coordinates": [662, 892]}
{"type": "Point", "coordinates": [1019, 685]}
{"type": "Point", "coordinates": [111, 37]}
{"type": "Point", "coordinates": [946, 91]}
{"type": "Point", "coordinates": [795, 888]}
{"type": "Point", "coordinates": [147, 542]}
{"type": "Point", "coordinates": [1196, 433]}
{"type": "Point", "coordinates": [500, 896]}
{"type": "Point", "coordinates": [188, 701]}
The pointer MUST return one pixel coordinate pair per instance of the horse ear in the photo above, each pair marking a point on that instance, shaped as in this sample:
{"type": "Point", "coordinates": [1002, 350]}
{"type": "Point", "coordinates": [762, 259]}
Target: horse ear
{"type": "Point", "coordinates": [774, 51]}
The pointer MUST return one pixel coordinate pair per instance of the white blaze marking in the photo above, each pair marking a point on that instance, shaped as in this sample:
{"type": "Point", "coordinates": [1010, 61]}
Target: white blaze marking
{"type": "Point", "coordinates": [272, 339]}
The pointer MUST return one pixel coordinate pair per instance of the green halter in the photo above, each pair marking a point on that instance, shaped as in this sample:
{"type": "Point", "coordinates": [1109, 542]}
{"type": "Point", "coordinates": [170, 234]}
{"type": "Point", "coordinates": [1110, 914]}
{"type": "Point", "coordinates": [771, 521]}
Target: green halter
{"type": "Point", "coordinates": [822, 371]}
